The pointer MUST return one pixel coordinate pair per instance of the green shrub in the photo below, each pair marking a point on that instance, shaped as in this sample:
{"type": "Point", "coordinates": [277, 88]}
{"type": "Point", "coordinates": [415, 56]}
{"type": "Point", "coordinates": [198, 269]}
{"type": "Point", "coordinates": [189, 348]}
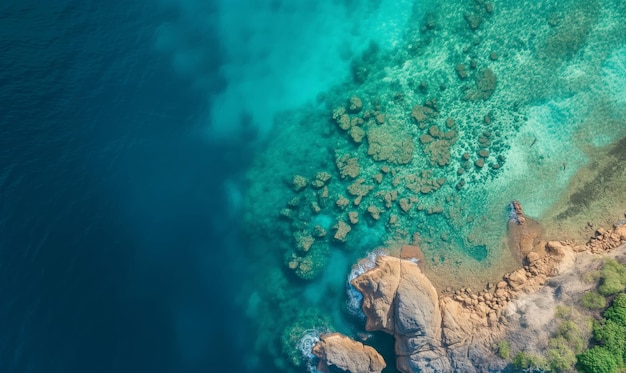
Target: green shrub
{"type": "Point", "coordinates": [612, 265]}
{"type": "Point", "coordinates": [504, 349]}
{"type": "Point", "coordinates": [597, 360]}
{"type": "Point", "coordinates": [563, 313]}
{"type": "Point", "coordinates": [572, 335]}
{"type": "Point", "coordinates": [617, 311]}
{"type": "Point", "coordinates": [612, 336]}
{"type": "Point", "coordinates": [609, 333]}
{"type": "Point", "coordinates": [610, 284]}
{"type": "Point", "coordinates": [593, 300]}
{"type": "Point", "coordinates": [560, 355]}
{"type": "Point", "coordinates": [612, 278]}
{"type": "Point", "coordinates": [620, 301]}
{"type": "Point", "coordinates": [525, 360]}
{"type": "Point", "coordinates": [592, 277]}
{"type": "Point", "coordinates": [617, 315]}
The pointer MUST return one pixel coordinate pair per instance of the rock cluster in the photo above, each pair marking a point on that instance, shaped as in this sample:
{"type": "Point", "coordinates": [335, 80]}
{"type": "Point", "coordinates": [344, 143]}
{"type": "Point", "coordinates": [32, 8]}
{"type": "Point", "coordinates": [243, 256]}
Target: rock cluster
{"type": "Point", "coordinates": [437, 145]}
{"type": "Point", "coordinates": [516, 213]}
{"type": "Point", "coordinates": [356, 121]}
{"type": "Point", "coordinates": [423, 114]}
{"type": "Point", "coordinates": [457, 330]}
{"type": "Point", "coordinates": [346, 355]}
{"type": "Point", "coordinates": [605, 240]}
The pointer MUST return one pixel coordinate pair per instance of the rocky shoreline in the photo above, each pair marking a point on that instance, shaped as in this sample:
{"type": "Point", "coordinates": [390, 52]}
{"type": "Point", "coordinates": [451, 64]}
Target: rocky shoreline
{"type": "Point", "coordinates": [456, 330]}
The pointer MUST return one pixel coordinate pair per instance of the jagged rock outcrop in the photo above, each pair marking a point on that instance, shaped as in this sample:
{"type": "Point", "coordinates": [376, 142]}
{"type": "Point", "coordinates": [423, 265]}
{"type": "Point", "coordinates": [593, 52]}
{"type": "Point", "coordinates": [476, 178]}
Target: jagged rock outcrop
{"type": "Point", "coordinates": [347, 355]}
{"type": "Point", "coordinates": [400, 300]}
{"type": "Point", "coordinates": [456, 331]}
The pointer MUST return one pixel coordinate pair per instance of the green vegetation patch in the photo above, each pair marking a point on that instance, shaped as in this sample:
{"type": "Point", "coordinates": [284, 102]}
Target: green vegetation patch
{"type": "Point", "coordinates": [570, 339]}
{"type": "Point", "coordinates": [597, 360]}
{"type": "Point", "coordinates": [593, 300]}
{"type": "Point", "coordinates": [612, 278]}
{"type": "Point", "coordinates": [610, 336]}
{"type": "Point", "coordinates": [504, 349]}
{"type": "Point", "coordinates": [528, 361]}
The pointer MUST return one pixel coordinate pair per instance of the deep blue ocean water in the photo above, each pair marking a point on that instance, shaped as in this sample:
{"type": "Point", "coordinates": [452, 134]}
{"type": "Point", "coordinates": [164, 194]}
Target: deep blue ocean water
{"type": "Point", "coordinates": [112, 213]}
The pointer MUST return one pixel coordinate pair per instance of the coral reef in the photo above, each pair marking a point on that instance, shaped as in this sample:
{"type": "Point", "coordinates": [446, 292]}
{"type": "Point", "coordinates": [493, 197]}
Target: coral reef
{"type": "Point", "coordinates": [348, 166]}
{"type": "Point", "coordinates": [341, 231]}
{"type": "Point", "coordinates": [390, 144]}
{"type": "Point", "coordinates": [485, 85]}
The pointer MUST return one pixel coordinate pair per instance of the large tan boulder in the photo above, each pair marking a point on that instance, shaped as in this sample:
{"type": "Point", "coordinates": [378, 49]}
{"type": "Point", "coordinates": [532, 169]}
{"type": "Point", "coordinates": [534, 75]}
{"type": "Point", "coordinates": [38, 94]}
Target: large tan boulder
{"type": "Point", "coordinates": [378, 287]}
{"type": "Point", "coordinates": [467, 337]}
{"type": "Point", "coordinates": [347, 355]}
{"type": "Point", "coordinates": [400, 300]}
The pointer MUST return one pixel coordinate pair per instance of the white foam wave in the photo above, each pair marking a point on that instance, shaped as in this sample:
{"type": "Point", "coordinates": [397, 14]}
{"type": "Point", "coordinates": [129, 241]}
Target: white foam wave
{"type": "Point", "coordinates": [355, 298]}
{"type": "Point", "coordinates": [309, 339]}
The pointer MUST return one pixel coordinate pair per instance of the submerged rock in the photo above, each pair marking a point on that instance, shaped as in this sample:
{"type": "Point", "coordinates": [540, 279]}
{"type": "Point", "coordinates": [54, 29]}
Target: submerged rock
{"type": "Point", "coordinates": [523, 232]}
{"type": "Point", "coordinates": [422, 114]}
{"type": "Point", "coordinates": [461, 71]}
{"type": "Point", "coordinates": [341, 231]}
{"type": "Point", "coordinates": [516, 213]}
{"type": "Point", "coordinates": [321, 179]}
{"type": "Point", "coordinates": [299, 182]}
{"type": "Point", "coordinates": [391, 144]}
{"type": "Point", "coordinates": [348, 166]}
{"type": "Point", "coordinates": [355, 105]}
{"type": "Point", "coordinates": [346, 355]}
{"type": "Point", "coordinates": [485, 81]}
